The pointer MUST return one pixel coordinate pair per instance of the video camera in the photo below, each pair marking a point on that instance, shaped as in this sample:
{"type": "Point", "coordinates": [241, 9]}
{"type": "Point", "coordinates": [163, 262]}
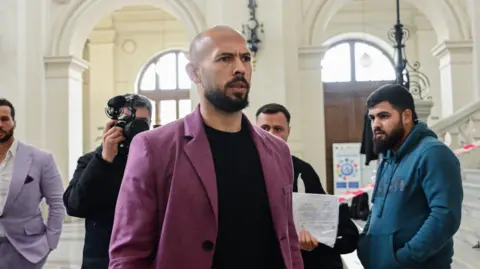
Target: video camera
{"type": "Point", "coordinates": [128, 122]}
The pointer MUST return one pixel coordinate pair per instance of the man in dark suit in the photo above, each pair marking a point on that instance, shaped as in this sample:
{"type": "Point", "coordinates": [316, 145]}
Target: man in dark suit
{"type": "Point", "coordinates": [93, 191]}
{"type": "Point", "coordinates": [275, 119]}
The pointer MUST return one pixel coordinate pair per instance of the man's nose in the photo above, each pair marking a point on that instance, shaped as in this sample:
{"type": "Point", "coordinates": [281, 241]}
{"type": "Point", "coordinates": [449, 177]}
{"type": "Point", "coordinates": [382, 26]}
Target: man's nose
{"type": "Point", "coordinates": [239, 67]}
{"type": "Point", "coordinates": [375, 124]}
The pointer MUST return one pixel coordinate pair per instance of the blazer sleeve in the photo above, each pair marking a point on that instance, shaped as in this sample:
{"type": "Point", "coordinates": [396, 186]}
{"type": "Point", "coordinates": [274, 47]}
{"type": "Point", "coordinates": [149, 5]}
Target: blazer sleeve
{"type": "Point", "coordinates": [297, 260]}
{"type": "Point", "coordinates": [136, 228]}
{"type": "Point", "coordinates": [52, 189]}
{"type": "Point", "coordinates": [79, 198]}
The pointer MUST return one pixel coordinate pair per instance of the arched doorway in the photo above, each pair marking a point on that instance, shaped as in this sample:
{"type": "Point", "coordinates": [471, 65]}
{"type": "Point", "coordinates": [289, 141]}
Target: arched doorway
{"type": "Point", "coordinates": [64, 67]}
{"type": "Point", "coordinates": [164, 80]}
{"type": "Point", "coordinates": [351, 70]}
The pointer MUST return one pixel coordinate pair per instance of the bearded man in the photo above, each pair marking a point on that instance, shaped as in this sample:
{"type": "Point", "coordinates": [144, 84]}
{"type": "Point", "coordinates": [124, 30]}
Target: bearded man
{"type": "Point", "coordinates": [210, 190]}
{"type": "Point", "coordinates": [417, 200]}
{"type": "Point", "coordinates": [27, 176]}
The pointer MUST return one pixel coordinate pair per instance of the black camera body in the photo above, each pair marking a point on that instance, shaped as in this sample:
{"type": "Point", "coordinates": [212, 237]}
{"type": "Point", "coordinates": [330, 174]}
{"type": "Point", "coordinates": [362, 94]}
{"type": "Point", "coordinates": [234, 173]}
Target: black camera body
{"type": "Point", "coordinates": [129, 123]}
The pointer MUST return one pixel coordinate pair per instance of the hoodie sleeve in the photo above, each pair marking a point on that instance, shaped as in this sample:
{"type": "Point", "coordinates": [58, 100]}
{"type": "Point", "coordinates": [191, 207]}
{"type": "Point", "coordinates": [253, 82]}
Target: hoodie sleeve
{"type": "Point", "coordinates": [442, 184]}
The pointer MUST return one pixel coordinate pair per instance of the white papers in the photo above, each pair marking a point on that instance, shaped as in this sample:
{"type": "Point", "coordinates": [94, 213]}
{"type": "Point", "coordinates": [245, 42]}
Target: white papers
{"type": "Point", "coordinates": [318, 214]}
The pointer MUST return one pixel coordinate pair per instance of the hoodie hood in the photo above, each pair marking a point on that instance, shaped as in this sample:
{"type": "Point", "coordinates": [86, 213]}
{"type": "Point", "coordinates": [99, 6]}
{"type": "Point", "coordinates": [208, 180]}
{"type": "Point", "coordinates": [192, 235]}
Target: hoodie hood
{"type": "Point", "coordinates": [419, 131]}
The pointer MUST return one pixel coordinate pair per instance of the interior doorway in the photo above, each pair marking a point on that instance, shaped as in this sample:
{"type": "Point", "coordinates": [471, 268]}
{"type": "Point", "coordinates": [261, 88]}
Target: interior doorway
{"type": "Point", "coordinates": [351, 71]}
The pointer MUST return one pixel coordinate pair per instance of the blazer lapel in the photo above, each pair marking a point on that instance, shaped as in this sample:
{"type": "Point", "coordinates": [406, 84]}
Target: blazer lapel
{"type": "Point", "coordinates": [199, 153]}
{"type": "Point", "coordinates": [271, 177]}
{"type": "Point", "coordinates": [21, 166]}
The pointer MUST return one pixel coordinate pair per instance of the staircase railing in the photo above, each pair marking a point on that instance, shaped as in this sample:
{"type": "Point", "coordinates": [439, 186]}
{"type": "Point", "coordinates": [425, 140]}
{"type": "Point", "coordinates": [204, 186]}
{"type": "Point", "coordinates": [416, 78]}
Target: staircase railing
{"type": "Point", "coordinates": [461, 128]}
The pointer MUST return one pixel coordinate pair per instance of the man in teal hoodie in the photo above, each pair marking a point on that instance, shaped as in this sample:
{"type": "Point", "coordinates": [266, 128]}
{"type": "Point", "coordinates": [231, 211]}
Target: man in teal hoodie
{"type": "Point", "coordinates": [417, 200]}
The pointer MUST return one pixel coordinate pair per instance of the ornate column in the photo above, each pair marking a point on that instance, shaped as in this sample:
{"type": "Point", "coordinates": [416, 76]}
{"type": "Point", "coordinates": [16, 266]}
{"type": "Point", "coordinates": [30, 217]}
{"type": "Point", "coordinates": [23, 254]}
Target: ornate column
{"type": "Point", "coordinates": [455, 65]}
{"type": "Point", "coordinates": [474, 10]}
{"type": "Point", "coordinates": [63, 105]}
{"type": "Point", "coordinates": [13, 51]}
{"type": "Point", "coordinates": [101, 49]}
{"type": "Point", "coordinates": [313, 115]}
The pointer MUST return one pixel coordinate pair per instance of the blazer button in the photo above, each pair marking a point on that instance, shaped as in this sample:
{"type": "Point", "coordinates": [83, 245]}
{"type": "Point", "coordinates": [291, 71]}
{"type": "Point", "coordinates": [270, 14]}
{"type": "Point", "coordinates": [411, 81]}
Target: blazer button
{"type": "Point", "coordinates": [207, 245]}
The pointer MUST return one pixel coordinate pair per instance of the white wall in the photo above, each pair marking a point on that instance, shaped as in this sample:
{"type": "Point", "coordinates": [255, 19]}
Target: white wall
{"type": "Point", "coordinates": [286, 69]}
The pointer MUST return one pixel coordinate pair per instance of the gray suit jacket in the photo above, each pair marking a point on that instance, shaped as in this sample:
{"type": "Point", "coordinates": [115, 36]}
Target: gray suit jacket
{"type": "Point", "coordinates": [35, 176]}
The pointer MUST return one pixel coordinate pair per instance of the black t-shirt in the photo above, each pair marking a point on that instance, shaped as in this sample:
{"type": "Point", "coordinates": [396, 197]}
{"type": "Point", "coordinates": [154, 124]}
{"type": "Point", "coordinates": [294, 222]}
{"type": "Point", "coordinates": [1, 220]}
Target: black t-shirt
{"type": "Point", "coordinates": [246, 236]}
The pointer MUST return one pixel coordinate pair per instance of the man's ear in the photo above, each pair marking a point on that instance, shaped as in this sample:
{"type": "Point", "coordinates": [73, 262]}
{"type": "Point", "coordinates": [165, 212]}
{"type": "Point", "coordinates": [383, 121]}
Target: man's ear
{"type": "Point", "coordinates": [407, 116]}
{"type": "Point", "coordinates": [192, 72]}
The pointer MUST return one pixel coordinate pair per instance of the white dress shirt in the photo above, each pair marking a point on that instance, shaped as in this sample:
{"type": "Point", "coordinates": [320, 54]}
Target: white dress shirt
{"type": "Point", "coordinates": [6, 170]}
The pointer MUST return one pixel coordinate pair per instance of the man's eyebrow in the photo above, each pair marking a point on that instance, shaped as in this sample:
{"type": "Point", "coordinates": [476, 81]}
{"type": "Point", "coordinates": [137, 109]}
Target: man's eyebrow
{"type": "Point", "coordinates": [233, 54]}
{"type": "Point", "coordinates": [379, 113]}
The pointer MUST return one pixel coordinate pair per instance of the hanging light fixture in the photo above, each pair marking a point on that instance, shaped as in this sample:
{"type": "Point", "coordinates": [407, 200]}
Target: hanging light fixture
{"type": "Point", "coordinates": [365, 60]}
{"type": "Point", "coordinates": [406, 74]}
{"type": "Point", "coordinates": [252, 30]}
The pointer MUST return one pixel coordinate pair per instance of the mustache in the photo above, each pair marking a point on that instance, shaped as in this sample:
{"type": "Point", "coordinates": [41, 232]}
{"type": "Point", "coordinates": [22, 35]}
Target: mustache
{"type": "Point", "coordinates": [236, 80]}
{"type": "Point", "coordinates": [378, 131]}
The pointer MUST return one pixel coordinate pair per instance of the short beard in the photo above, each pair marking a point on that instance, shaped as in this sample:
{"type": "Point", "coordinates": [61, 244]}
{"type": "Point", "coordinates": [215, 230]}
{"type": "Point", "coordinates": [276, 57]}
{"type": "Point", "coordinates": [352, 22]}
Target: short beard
{"type": "Point", "coordinates": [225, 103]}
{"type": "Point", "coordinates": [7, 137]}
{"type": "Point", "coordinates": [390, 141]}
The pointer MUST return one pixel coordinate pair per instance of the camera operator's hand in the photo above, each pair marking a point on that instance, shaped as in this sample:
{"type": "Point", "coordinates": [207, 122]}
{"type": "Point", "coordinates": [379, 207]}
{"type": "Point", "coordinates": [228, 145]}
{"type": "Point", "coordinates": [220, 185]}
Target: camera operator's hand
{"type": "Point", "coordinates": [112, 136]}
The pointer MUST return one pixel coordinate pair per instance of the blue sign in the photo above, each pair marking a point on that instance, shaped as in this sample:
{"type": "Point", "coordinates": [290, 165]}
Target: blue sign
{"type": "Point", "coordinates": [353, 185]}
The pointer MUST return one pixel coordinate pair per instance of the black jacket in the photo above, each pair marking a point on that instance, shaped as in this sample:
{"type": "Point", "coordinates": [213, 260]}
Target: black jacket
{"type": "Point", "coordinates": [324, 256]}
{"type": "Point", "coordinates": [92, 194]}
{"type": "Point", "coordinates": [366, 147]}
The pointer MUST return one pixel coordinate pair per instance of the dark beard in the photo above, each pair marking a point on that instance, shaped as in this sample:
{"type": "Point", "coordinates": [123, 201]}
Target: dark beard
{"type": "Point", "coordinates": [6, 137]}
{"type": "Point", "coordinates": [389, 141]}
{"type": "Point", "coordinates": [221, 101]}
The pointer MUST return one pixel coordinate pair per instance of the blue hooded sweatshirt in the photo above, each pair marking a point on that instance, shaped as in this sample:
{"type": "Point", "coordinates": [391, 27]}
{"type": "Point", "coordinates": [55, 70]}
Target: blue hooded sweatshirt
{"type": "Point", "coordinates": [417, 203]}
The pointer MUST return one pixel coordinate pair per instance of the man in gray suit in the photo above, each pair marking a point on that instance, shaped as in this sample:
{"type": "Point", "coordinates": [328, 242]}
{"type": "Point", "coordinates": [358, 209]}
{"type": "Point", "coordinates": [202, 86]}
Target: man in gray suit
{"type": "Point", "coordinates": [27, 175]}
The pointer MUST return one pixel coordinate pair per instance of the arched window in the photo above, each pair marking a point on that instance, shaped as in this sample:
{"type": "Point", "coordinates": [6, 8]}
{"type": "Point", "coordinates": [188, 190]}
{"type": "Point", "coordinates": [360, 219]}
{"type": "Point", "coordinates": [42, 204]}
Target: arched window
{"type": "Point", "coordinates": [354, 60]}
{"type": "Point", "coordinates": [165, 81]}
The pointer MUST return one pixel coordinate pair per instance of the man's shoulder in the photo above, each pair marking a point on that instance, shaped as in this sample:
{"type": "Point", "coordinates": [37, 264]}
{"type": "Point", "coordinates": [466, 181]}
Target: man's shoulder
{"type": "Point", "coordinates": [431, 147]}
{"type": "Point", "coordinates": [298, 160]}
{"type": "Point", "coordinates": [34, 151]}
{"type": "Point", "coordinates": [165, 133]}
{"type": "Point", "coordinates": [299, 163]}
{"type": "Point", "coordinates": [275, 142]}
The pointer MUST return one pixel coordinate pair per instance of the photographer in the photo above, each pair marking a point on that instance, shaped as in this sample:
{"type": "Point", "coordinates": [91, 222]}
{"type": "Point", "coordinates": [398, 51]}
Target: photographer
{"type": "Point", "coordinates": [92, 193]}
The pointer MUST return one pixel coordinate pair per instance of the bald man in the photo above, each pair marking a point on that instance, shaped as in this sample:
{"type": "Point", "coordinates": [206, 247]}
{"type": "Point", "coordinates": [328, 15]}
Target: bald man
{"type": "Point", "coordinates": [210, 190]}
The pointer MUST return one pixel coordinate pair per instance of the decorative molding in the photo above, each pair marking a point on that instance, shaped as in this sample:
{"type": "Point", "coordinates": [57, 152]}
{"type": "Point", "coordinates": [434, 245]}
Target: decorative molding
{"type": "Point", "coordinates": [453, 52]}
{"type": "Point", "coordinates": [448, 47]}
{"type": "Point", "coordinates": [65, 67]}
{"type": "Point", "coordinates": [103, 36]}
{"type": "Point", "coordinates": [423, 108]}
{"type": "Point", "coordinates": [61, 2]}
{"type": "Point", "coordinates": [129, 46]}
{"type": "Point", "coordinates": [312, 50]}
{"type": "Point", "coordinates": [310, 57]}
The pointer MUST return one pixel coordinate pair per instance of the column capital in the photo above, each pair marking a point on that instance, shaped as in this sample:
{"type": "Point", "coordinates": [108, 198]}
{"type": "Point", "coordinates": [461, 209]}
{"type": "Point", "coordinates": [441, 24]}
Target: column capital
{"type": "Point", "coordinates": [310, 57]}
{"type": "Point", "coordinates": [452, 47]}
{"type": "Point", "coordinates": [102, 36]}
{"type": "Point", "coordinates": [62, 66]}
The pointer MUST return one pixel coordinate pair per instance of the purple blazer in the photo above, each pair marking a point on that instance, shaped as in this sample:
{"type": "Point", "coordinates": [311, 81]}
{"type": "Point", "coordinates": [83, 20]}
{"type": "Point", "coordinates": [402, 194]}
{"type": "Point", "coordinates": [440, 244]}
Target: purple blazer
{"type": "Point", "coordinates": [167, 206]}
{"type": "Point", "coordinates": [35, 176]}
